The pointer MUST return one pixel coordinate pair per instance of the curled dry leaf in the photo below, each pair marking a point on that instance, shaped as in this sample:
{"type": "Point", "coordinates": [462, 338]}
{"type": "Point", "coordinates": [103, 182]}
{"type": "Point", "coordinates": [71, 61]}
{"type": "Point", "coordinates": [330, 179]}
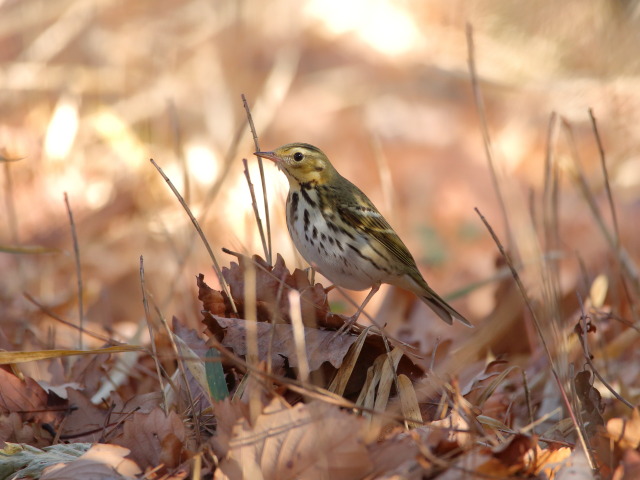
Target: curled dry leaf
{"type": "Point", "coordinates": [212, 300]}
{"type": "Point", "coordinates": [272, 285]}
{"type": "Point", "coordinates": [591, 401]}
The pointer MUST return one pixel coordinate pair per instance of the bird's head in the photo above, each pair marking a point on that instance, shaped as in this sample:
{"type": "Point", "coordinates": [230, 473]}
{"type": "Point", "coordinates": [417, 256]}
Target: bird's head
{"type": "Point", "coordinates": [301, 163]}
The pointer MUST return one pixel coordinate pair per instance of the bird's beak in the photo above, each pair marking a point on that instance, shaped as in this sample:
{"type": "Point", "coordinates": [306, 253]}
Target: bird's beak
{"type": "Point", "coordinates": [269, 155]}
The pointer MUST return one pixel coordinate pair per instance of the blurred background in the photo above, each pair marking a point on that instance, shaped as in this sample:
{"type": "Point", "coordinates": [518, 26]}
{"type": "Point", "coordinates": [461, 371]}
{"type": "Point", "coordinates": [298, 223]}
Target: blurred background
{"type": "Point", "coordinates": [90, 90]}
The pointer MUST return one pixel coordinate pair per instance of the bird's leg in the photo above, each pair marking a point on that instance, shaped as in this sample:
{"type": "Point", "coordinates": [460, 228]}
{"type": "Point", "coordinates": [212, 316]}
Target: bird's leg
{"type": "Point", "coordinates": [349, 323]}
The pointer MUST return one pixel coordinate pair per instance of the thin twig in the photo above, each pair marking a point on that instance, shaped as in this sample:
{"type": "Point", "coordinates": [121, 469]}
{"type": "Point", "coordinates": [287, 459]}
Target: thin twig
{"type": "Point", "coordinates": [527, 396]}
{"type": "Point", "coordinates": [152, 338]}
{"type": "Point", "coordinates": [216, 266]}
{"type": "Point", "coordinates": [4, 159]}
{"type": "Point", "coordinates": [538, 328]}
{"type": "Point", "coordinates": [614, 217]}
{"type": "Point", "coordinates": [550, 192]}
{"type": "Point", "coordinates": [47, 311]}
{"type": "Point", "coordinates": [180, 360]}
{"type": "Point", "coordinates": [587, 356]}
{"type": "Point", "coordinates": [480, 108]}
{"type": "Point", "coordinates": [207, 204]}
{"type": "Point", "coordinates": [622, 255]}
{"type": "Point", "coordinates": [76, 251]}
{"type": "Point", "coordinates": [262, 180]}
{"type": "Point", "coordinates": [605, 174]}
{"type": "Point", "coordinates": [256, 213]}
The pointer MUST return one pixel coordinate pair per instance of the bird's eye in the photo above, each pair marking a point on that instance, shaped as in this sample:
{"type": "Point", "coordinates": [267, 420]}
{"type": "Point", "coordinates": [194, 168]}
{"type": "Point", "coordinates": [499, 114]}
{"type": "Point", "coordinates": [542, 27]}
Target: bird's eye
{"type": "Point", "coordinates": [298, 156]}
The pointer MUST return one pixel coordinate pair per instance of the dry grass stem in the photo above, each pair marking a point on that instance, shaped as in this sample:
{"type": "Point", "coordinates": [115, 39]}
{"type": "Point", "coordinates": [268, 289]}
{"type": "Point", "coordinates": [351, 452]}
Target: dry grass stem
{"type": "Point", "coordinates": [298, 335]}
{"type": "Point", "coordinates": [256, 213]}
{"type": "Point", "coordinates": [216, 265]}
{"type": "Point", "coordinates": [539, 330]}
{"type": "Point", "coordinates": [50, 313]}
{"type": "Point", "coordinates": [152, 337]}
{"type": "Point", "coordinates": [588, 358]}
{"type": "Point", "coordinates": [627, 263]}
{"type": "Point", "coordinates": [484, 128]}
{"type": "Point", "coordinates": [268, 248]}
{"type": "Point", "coordinates": [180, 359]}
{"type": "Point", "coordinates": [76, 253]}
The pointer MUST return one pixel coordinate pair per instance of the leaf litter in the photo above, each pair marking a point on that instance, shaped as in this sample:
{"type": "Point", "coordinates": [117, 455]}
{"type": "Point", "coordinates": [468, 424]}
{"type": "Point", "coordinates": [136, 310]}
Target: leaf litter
{"type": "Point", "coordinates": [422, 402]}
{"type": "Point", "coordinates": [389, 429]}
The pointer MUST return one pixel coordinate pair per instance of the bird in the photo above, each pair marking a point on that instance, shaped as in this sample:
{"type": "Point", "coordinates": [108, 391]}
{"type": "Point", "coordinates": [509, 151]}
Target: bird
{"type": "Point", "coordinates": [341, 234]}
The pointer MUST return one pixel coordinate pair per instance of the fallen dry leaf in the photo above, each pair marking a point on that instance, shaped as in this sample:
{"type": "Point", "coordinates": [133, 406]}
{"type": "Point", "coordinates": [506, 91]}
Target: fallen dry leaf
{"type": "Point", "coordinates": [625, 432]}
{"type": "Point", "coordinates": [28, 398]}
{"type": "Point", "coordinates": [301, 442]}
{"type": "Point", "coordinates": [629, 468]}
{"type": "Point", "coordinates": [272, 286]}
{"type": "Point", "coordinates": [101, 461]}
{"type": "Point", "coordinates": [321, 345]}
{"type": "Point", "coordinates": [549, 461]}
{"type": "Point", "coordinates": [154, 438]}
{"type": "Point", "coordinates": [86, 422]}
{"type": "Point", "coordinates": [396, 116]}
{"type": "Point", "coordinates": [591, 402]}
{"type": "Point", "coordinates": [213, 301]}
{"type": "Point", "coordinates": [14, 430]}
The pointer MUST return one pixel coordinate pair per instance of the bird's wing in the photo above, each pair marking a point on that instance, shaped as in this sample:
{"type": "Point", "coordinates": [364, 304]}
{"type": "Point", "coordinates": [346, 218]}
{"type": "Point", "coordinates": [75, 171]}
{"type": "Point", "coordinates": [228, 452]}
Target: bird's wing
{"type": "Point", "coordinates": [360, 213]}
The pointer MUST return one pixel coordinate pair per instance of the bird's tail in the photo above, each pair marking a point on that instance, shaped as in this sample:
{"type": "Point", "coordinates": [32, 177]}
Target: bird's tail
{"type": "Point", "coordinates": [445, 311]}
{"type": "Point", "coordinates": [418, 285]}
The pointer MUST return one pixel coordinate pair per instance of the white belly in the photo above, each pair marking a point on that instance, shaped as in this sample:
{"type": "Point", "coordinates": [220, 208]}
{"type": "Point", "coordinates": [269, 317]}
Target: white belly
{"type": "Point", "coordinates": [336, 255]}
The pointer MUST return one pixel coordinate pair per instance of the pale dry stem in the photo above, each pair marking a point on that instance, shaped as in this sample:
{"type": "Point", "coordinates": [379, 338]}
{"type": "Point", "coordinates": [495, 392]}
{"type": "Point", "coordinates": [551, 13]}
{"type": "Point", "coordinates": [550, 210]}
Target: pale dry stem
{"type": "Point", "coordinates": [216, 265]}
{"type": "Point", "coordinates": [76, 252]}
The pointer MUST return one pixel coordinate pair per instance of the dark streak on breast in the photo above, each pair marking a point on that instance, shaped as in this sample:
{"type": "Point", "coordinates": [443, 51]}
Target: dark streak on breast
{"type": "Point", "coordinates": [293, 207]}
{"type": "Point", "coordinates": [306, 220]}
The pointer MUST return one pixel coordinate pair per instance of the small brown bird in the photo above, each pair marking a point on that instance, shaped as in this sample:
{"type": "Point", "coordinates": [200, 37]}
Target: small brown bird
{"type": "Point", "coordinates": [339, 231]}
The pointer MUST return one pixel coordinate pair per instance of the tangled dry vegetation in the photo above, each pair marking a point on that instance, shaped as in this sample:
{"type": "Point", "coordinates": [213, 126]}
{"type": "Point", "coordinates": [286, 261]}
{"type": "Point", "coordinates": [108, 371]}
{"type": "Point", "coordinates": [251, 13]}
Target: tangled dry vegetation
{"type": "Point", "coordinates": [125, 355]}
